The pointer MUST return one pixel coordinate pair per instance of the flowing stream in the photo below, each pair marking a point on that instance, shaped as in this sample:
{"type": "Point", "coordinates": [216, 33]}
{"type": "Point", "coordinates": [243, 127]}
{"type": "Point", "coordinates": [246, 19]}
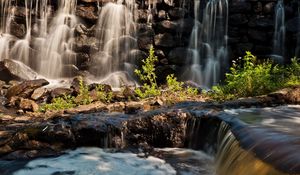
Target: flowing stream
{"type": "Point", "coordinates": [246, 141]}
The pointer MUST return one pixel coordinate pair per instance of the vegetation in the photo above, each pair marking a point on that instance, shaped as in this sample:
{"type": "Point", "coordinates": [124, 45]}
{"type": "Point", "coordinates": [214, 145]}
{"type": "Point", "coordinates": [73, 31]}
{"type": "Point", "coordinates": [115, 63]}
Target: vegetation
{"type": "Point", "coordinates": [148, 77]}
{"type": "Point", "coordinates": [84, 94]}
{"type": "Point", "coordinates": [59, 103]}
{"type": "Point", "coordinates": [176, 90]}
{"type": "Point", "coordinates": [102, 95]}
{"type": "Point", "coordinates": [248, 77]}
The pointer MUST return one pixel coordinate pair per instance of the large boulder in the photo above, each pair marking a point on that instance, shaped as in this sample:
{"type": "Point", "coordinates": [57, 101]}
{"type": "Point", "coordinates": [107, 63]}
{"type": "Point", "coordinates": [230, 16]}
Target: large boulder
{"type": "Point", "coordinates": [15, 70]}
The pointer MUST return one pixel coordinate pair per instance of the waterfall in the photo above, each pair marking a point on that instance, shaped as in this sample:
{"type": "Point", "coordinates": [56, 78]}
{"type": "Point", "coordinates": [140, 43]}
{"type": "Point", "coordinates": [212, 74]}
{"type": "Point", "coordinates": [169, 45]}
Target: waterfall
{"type": "Point", "coordinates": [5, 20]}
{"type": "Point", "coordinates": [208, 43]}
{"type": "Point", "coordinates": [279, 33]}
{"type": "Point", "coordinates": [55, 44]}
{"type": "Point", "coordinates": [115, 32]}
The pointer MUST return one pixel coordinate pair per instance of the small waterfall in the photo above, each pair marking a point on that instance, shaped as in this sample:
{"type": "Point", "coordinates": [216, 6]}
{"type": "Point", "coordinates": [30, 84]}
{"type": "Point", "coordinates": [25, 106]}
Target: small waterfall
{"type": "Point", "coordinates": [208, 43]}
{"type": "Point", "coordinates": [234, 160]}
{"type": "Point", "coordinates": [5, 19]}
{"type": "Point", "coordinates": [115, 31]}
{"type": "Point", "coordinates": [54, 45]}
{"type": "Point", "coordinates": [279, 33]}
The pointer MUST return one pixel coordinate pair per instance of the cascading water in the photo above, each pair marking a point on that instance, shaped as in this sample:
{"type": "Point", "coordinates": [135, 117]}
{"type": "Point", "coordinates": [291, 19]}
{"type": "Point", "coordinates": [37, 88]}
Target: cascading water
{"type": "Point", "coordinates": [115, 31]}
{"type": "Point", "coordinates": [55, 44]}
{"type": "Point", "coordinates": [279, 33]}
{"type": "Point", "coordinates": [5, 20]}
{"type": "Point", "coordinates": [208, 43]}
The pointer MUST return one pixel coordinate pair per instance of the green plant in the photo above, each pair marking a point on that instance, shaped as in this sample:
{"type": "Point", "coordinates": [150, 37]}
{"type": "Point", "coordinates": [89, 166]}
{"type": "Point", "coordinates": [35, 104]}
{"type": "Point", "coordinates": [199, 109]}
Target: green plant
{"type": "Point", "coordinates": [176, 91]}
{"type": "Point", "coordinates": [293, 71]}
{"type": "Point", "coordinates": [249, 78]}
{"type": "Point", "coordinates": [59, 103]}
{"type": "Point", "coordinates": [148, 77]}
{"type": "Point", "coordinates": [102, 95]}
{"type": "Point", "coordinates": [83, 97]}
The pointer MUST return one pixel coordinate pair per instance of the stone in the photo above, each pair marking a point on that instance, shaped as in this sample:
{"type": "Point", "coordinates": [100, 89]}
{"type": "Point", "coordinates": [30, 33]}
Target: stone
{"type": "Point", "coordinates": [238, 19]}
{"type": "Point", "coordinates": [81, 29]}
{"type": "Point", "coordinates": [39, 93]}
{"type": "Point", "coordinates": [70, 70]}
{"type": "Point", "coordinates": [28, 105]}
{"type": "Point", "coordinates": [164, 40]}
{"type": "Point", "coordinates": [86, 44]}
{"type": "Point", "coordinates": [257, 35]}
{"type": "Point", "coordinates": [177, 13]}
{"type": "Point", "coordinates": [240, 7]}
{"type": "Point", "coordinates": [136, 56]}
{"type": "Point", "coordinates": [88, 13]}
{"type": "Point", "coordinates": [26, 88]}
{"type": "Point", "coordinates": [180, 56]}
{"type": "Point", "coordinates": [15, 70]}
{"type": "Point", "coordinates": [166, 26]}
{"type": "Point", "coordinates": [60, 92]}
{"type": "Point", "coordinates": [129, 93]}
{"type": "Point", "coordinates": [18, 30]}
{"type": "Point", "coordinates": [142, 16]}
{"type": "Point", "coordinates": [292, 25]}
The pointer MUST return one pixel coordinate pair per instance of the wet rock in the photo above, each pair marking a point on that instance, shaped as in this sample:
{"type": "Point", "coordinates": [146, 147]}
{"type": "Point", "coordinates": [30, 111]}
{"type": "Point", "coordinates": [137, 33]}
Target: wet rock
{"type": "Point", "coordinates": [136, 56]}
{"type": "Point", "coordinates": [18, 30]}
{"type": "Point", "coordinates": [129, 93]}
{"type": "Point", "coordinates": [75, 85]}
{"type": "Point", "coordinates": [2, 83]}
{"type": "Point", "coordinates": [177, 13]}
{"type": "Point", "coordinates": [180, 55]}
{"type": "Point", "coordinates": [164, 40]}
{"type": "Point", "coordinates": [26, 88]}
{"type": "Point", "coordinates": [39, 93]}
{"type": "Point", "coordinates": [238, 19]}
{"type": "Point", "coordinates": [142, 16]}
{"type": "Point", "coordinates": [87, 13]}
{"type": "Point", "coordinates": [292, 25]}
{"type": "Point", "coordinates": [60, 92]}
{"type": "Point", "coordinates": [166, 26]}
{"type": "Point", "coordinates": [15, 70]}
{"type": "Point", "coordinates": [258, 35]}
{"type": "Point", "coordinates": [28, 105]}
{"type": "Point", "coordinates": [86, 44]}
{"type": "Point", "coordinates": [133, 107]}
{"type": "Point", "coordinates": [70, 70]}
{"type": "Point", "coordinates": [81, 29]}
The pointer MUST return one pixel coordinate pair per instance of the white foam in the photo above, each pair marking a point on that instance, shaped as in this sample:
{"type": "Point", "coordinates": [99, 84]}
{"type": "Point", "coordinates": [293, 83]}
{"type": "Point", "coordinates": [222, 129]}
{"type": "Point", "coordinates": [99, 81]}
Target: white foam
{"type": "Point", "coordinates": [94, 161]}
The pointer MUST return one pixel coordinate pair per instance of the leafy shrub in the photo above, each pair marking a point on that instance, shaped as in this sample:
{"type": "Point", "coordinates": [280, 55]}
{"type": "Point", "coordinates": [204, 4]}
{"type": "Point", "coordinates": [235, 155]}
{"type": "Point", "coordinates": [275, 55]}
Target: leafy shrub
{"type": "Point", "coordinates": [250, 78]}
{"type": "Point", "coordinates": [293, 71]}
{"type": "Point", "coordinates": [84, 94]}
{"type": "Point", "coordinates": [148, 77]}
{"type": "Point", "coordinates": [176, 91]}
{"type": "Point", "coordinates": [102, 95]}
{"type": "Point", "coordinates": [59, 103]}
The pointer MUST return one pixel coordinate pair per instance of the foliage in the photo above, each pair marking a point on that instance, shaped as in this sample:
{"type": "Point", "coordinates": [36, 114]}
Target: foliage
{"type": "Point", "coordinates": [293, 71]}
{"type": "Point", "coordinates": [102, 95]}
{"type": "Point", "coordinates": [250, 78]}
{"type": "Point", "coordinates": [84, 94]}
{"type": "Point", "coordinates": [148, 77]}
{"type": "Point", "coordinates": [176, 91]}
{"type": "Point", "coordinates": [59, 103]}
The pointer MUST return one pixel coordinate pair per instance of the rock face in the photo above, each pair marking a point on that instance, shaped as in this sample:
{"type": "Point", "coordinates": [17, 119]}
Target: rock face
{"type": "Point", "coordinates": [250, 27]}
